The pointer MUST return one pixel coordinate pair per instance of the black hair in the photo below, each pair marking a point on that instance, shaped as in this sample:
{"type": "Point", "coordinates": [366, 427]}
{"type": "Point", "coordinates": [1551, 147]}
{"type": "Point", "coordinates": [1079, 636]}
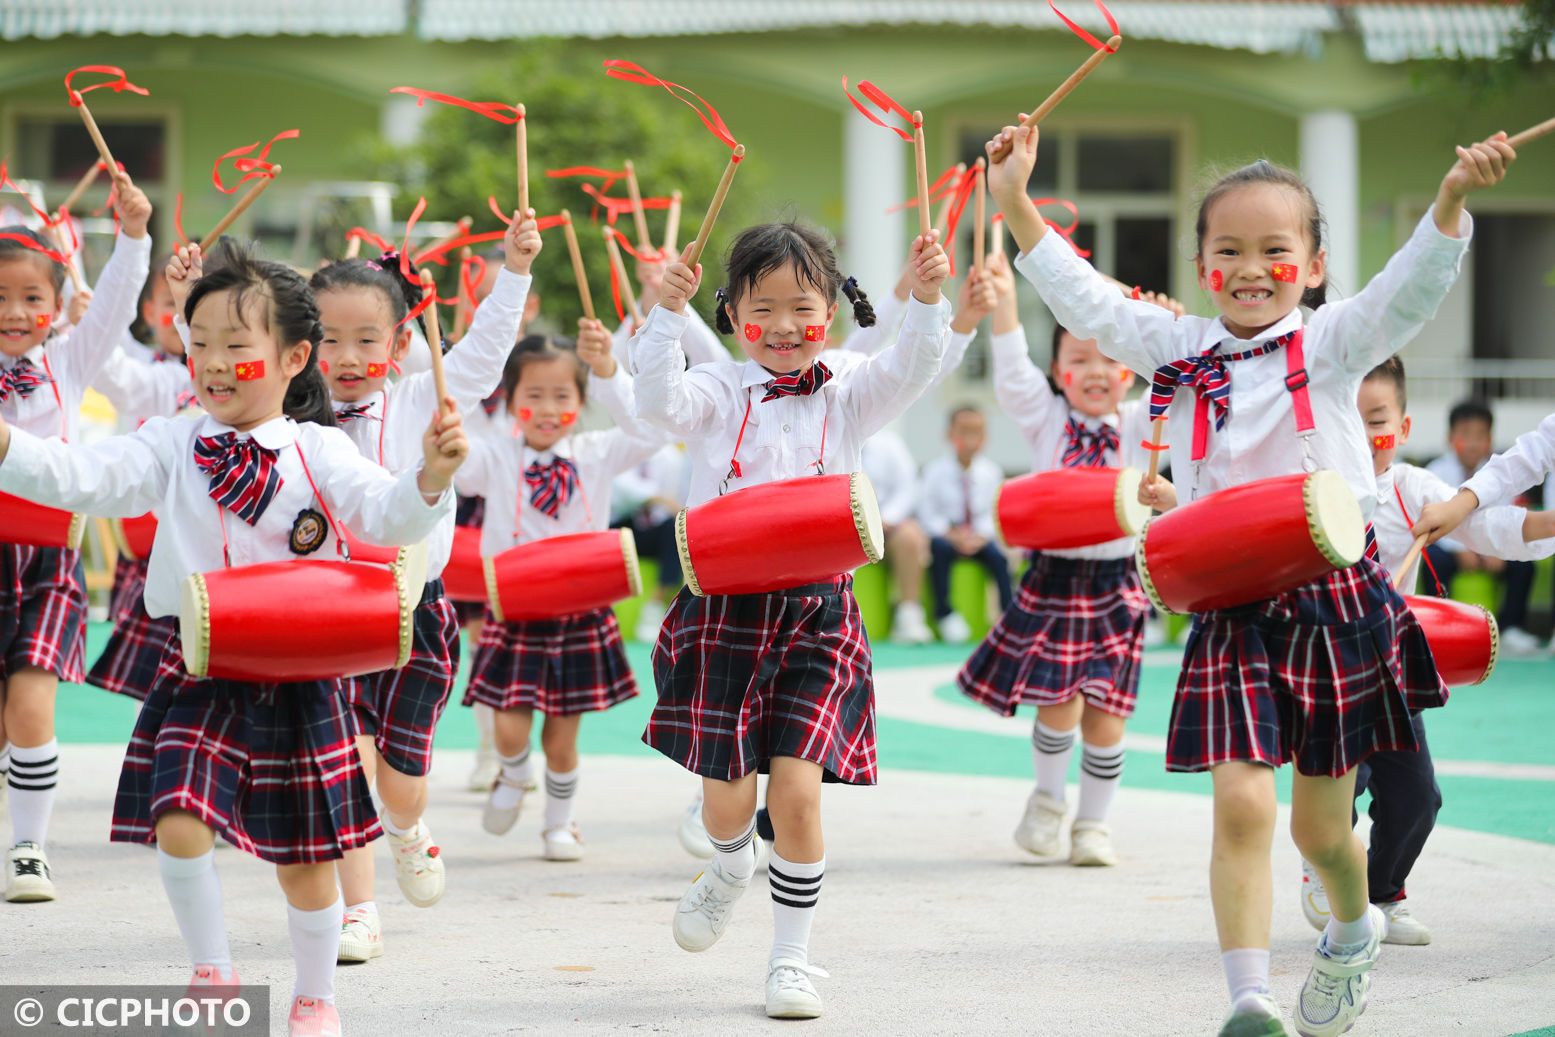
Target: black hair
{"type": "Point", "coordinates": [1265, 172]}
{"type": "Point", "coordinates": [140, 331]}
{"type": "Point", "coordinates": [535, 348]}
{"type": "Point", "coordinates": [1391, 370]}
{"type": "Point", "coordinates": [1469, 410]}
{"type": "Point", "coordinates": [401, 293]}
{"type": "Point", "coordinates": [965, 408]}
{"type": "Point", "coordinates": [760, 250]}
{"type": "Point", "coordinates": [291, 316]}
{"type": "Point", "coordinates": [10, 248]}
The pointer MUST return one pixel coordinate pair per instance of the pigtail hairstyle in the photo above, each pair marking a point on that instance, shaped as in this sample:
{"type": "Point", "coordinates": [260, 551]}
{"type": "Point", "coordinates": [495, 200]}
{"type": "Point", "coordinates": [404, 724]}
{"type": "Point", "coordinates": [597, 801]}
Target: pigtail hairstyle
{"type": "Point", "coordinates": [401, 293]}
{"type": "Point", "coordinates": [771, 246]}
{"type": "Point", "coordinates": [1265, 172]}
{"type": "Point", "coordinates": [721, 321]}
{"type": "Point", "coordinates": [534, 348]}
{"type": "Point", "coordinates": [863, 311]}
{"type": "Point", "coordinates": [10, 248]}
{"type": "Point", "coordinates": [291, 316]}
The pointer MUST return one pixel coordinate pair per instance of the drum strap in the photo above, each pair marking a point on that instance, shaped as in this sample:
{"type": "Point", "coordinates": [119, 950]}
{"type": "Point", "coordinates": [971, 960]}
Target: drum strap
{"type": "Point", "coordinates": [819, 464]}
{"type": "Point", "coordinates": [1441, 592]}
{"type": "Point", "coordinates": [1300, 400]}
{"type": "Point", "coordinates": [341, 547]}
{"type": "Point", "coordinates": [58, 400]}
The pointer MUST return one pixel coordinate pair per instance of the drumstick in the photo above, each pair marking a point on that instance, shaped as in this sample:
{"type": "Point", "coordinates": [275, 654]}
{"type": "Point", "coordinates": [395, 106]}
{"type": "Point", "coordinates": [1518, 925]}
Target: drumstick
{"type": "Point", "coordinates": [353, 247]}
{"type": "Point", "coordinates": [237, 210]}
{"type": "Point", "coordinates": [672, 224]}
{"type": "Point", "coordinates": [577, 265]}
{"type": "Point", "coordinates": [1096, 58]}
{"type": "Point", "coordinates": [1532, 133]}
{"type": "Point", "coordinates": [618, 270]}
{"type": "Point", "coordinates": [462, 306]}
{"type": "Point", "coordinates": [708, 220]}
{"type": "Point", "coordinates": [521, 145]}
{"type": "Point", "coordinates": [639, 217]}
{"type": "Point", "coordinates": [942, 218]}
{"type": "Point", "coordinates": [435, 340]}
{"type": "Point", "coordinates": [997, 248]}
{"type": "Point", "coordinates": [1409, 560]}
{"type": "Point", "coordinates": [97, 138]}
{"type": "Point", "coordinates": [87, 180]}
{"type": "Point", "coordinates": [920, 158]}
{"type": "Point", "coordinates": [1158, 427]}
{"type": "Point", "coordinates": [982, 219]}
{"type": "Point", "coordinates": [58, 235]}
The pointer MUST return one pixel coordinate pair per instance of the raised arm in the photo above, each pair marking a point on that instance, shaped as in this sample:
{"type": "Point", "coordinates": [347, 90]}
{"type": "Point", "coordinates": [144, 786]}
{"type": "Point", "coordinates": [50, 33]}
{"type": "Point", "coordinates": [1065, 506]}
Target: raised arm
{"type": "Point", "coordinates": [116, 293]}
{"type": "Point", "coordinates": [116, 478]}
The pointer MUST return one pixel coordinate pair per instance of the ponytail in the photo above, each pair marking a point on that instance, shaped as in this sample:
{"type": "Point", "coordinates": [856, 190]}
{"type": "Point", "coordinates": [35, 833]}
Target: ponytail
{"type": "Point", "coordinates": [863, 312]}
{"type": "Point", "coordinates": [721, 319]}
{"type": "Point", "coordinates": [401, 293]}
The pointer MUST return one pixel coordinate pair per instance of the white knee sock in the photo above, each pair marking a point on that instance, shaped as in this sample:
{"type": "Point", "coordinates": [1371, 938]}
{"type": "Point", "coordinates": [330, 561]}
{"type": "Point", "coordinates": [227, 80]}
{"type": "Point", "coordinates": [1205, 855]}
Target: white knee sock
{"type": "Point", "coordinates": [1050, 750]}
{"type": "Point", "coordinates": [516, 769]}
{"type": "Point", "coordinates": [559, 789]}
{"type": "Point", "coordinates": [194, 890]}
{"type": "Point", "coordinates": [795, 890]}
{"type": "Point", "coordinates": [1247, 972]}
{"type": "Point", "coordinates": [315, 947]}
{"type": "Point", "coordinates": [1101, 772]}
{"type": "Point", "coordinates": [736, 858]}
{"type": "Point", "coordinates": [34, 772]}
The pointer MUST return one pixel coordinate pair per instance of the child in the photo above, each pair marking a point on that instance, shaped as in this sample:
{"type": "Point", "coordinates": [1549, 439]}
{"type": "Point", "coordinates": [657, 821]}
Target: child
{"type": "Point", "coordinates": [1073, 642]}
{"type": "Point", "coordinates": [955, 507]}
{"type": "Point", "coordinates": [545, 481]}
{"type": "Point", "coordinates": [1326, 674]}
{"type": "Point", "coordinates": [43, 377]}
{"type": "Point", "coordinates": [892, 471]}
{"type": "Point", "coordinates": [1529, 460]}
{"type": "Point", "coordinates": [775, 682]}
{"type": "Point", "coordinates": [269, 766]}
{"type": "Point", "coordinates": [364, 306]}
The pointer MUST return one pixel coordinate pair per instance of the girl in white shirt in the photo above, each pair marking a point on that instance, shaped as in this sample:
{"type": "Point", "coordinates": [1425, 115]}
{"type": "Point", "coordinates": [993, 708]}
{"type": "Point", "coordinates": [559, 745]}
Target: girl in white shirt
{"type": "Point", "coordinates": [1326, 674]}
{"type": "Point", "coordinates": [272, 767]}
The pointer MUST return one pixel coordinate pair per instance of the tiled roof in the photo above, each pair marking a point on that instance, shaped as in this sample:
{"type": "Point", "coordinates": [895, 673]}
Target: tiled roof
{"type": "Point", "coordinates": [1399, 32]}
{"type": "Point", "coordinates": [45, 19]}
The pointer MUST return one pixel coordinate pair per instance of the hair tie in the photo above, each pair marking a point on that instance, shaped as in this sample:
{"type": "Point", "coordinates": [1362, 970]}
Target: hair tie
{"type": "Point", "coordinates": [721, 295]}
{"type": "Point", "coordinates": [374, 264]}
{"type": "Point", "coordinates": [850, 286]}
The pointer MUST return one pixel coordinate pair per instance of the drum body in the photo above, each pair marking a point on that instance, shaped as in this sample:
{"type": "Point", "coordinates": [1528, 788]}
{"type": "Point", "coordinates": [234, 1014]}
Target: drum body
{"type": "Point", "coordinates": [301, 621]}
{"type": "Point", "coordinates": [1070, 507]}
{"type": "Point", "coordinates": [23, 522]}
{"type": "Point", "coordinates": [780, 534]}
{"type": "Point", "coordinates": [464, 577]}
{"type": "Point", "coordinates": [134, 536]}
{"type": "Point", "coordinates": [562, 576]}
{"type": "Point", "coordinates": [1465, 639]}
{"type": "Point", "coordinates": [1250, 542]}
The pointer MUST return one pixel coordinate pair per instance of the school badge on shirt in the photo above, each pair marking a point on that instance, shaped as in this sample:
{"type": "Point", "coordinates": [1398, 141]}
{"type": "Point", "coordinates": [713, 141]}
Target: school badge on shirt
{"type": "Point", "coordinates": [308, 532]}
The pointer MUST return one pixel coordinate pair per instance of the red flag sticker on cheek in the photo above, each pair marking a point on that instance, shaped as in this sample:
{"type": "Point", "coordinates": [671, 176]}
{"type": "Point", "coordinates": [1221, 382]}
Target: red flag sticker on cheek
{"type": "Point", "coordinates": [45, 319]}
{"type": "Point", "coordinates": [1383, 442]}
{"type": "Point", "coordinates": [569, 416]}
{"type": "Point", "coordinates": [1216, 281]}
{"type": "Point", "coordinates": [1068, 377]}
{"type": "Point", "coordinates": [815, 333]}
{"type": "Point", "coordinates": [524, 414]}
{"type": "Point", "coordinates": [377, 370]}
{"type": "Point", "coordinates": [166, 320]}
{"type": "Point", "coordinates": [251, 371]}
{"type": "Point", "coordinates": [1285, 272]}
{"type": "Point", "coordinates": [324, 366]}
{"type": "Point", "coordinates": [752, 332]}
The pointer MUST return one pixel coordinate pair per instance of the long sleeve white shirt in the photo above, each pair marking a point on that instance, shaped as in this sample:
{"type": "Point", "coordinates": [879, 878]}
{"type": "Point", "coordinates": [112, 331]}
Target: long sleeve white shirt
{"type": "Point", "coordinates": [782, 438]}
{"type": "Point", "coordinates": [139, 389]}
{"type": "Point", "coordinates": [948, 495]}
{"type": "Point", "coordinates": [699, 342]}
{"type": "Point", "coordinates": [154, 467]}
{"type": "Point", "coordinates": [894, 473]}
{"type": "Point", "coordinates": [660, 479]}
{"type": "Point", "coordinates": [1522, 467]}
{"type": "Point", "coordinates": [1343, 341]}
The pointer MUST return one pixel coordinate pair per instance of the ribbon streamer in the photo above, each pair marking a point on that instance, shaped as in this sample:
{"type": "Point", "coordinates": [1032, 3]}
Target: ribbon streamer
{"type": "Point", "coordinates": [946, 183]}
{"type": "Point", "coordinates": [471, 273]}
{"type": "Point", "coordinates": [178, 221]}
{"type": "Point", "coordinates": [614, 207]}
{"type": "Point", "coordinates": [885, 103]}
{"type": "Point", "coordinates": [251, 166]}
{"type": "Point", "coordinates": [381, 244]}
{"type": "Point", "coordinates": [1112, 26]}
{"type": "Point", "coordinates": [494, 110]}
{"type": "Point", "coordinates": [118, 85]}
{"type": "Point", "coordinates": [58, 257]}
{"type": "Point", "coordinates": [634, 73]}
{"type": "Point", "coordinates": [6, 181]}
{"type": "Point", "coordinates": [609, 176]}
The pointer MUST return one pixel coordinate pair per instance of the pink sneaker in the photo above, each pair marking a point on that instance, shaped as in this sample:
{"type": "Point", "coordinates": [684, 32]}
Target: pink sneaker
{"type": "Point", "coordinates": [313, 1018]}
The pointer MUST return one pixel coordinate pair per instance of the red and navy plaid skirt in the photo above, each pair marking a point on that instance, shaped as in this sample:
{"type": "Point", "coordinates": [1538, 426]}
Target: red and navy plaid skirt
{"type": "Point", "coordinates": [42, 611]}
{"type": "Point", "coordinates": [132, 657]}
{"type": "Point", "coordinates": [743, 678]}
{"type": "Point", "coordinates": [561, 667]}
{"type": "Point", "coordinates": [129, 588]}
{"type": "Point", "coordinates": [400, 708]}
{"type": "Point", "coordinates": [1324, 675]}
{"type": "Point", "coordinates": [1076, 627]}
{"type": "Point", "coordinates": [272, 767]}
{"type": "Point", "coordinates": [470, 512]}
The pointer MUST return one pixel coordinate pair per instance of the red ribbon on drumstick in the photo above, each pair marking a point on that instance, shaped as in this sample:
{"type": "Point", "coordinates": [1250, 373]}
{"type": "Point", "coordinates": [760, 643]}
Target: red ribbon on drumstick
{"type": "Point", "coordinates": [253, 167]}
{"type": "Point", "coordinates": [118, 85]}
{"type": "Point", "coordinates": [886, 103]}
{"type": "Point", "coordinates": [1102, 52]}
{"type": "Point", "coordinates": [507, 114]}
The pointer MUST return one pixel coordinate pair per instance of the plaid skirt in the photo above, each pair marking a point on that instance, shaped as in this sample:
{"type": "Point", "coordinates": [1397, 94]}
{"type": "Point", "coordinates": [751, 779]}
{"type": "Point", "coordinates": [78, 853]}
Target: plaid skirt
{"type": "Point", "coordinates": [129, 587]}
{"type": "Point", "coordinates": [743, 678]}
{"type": "Point", "coordinates": [272, 767]}
{"type": "Point", "coordinates": [561, 667]}
{"type": "Point", "coordinates": [471, 513]}
{"type": "Point", "coordinates": [1076, 627]}
{"type": "Point", "coordinates": [130, 660]}
{"type": "Point", "coordinates": [400, 708]}
{"type": "Point", "coordinates": [1324, 675]}
{"type": "Point", "coordinates": [42, 611]}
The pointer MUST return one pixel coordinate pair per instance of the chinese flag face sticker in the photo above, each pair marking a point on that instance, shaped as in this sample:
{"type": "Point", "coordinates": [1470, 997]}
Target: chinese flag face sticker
{"type": "Point", "coordinates": [752, 332]}
{"type": "Point", "coordinates": [324, 366]}
{"type": "Point", "coordinates": [1285, 272]}
{"type": "Point", "coordinates": [1216, 281]}
{"type": "Point", "coordinates": [45, 319]}
{"type": "Point", "coordinates": [569, 416]}
{"type": "Point", "coordinates": [166, 319]}
{"type": "Point", "coordinates": [815, 333]}
{"type": "Point", "coordinates": [251, 371]}
{"type": "Point", "coordinates": [524, 414]}
{"type": "Point", "coordinates": [1383, 442]}
{"type": "Point", "coordinates": [377, 370]}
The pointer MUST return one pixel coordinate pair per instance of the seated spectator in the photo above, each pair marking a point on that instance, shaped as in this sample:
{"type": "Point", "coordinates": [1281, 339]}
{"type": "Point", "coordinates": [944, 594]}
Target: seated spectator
{"type": "Point", "coordinates": [890, 466]}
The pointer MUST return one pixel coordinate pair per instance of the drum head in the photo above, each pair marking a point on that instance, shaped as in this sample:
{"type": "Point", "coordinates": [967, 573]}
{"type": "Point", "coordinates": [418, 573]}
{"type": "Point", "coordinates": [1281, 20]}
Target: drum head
{"type": "Point", "coordinates": [1132, 515]}
{"type": "Point", "coordinates": [1495, 643]}
{"type": "Point", "coordinates": [410, 577]}
{"type": "Point", "coordinates": [866, 514]}
{"type": "Point", "coordinates": [194, 626]}
{"type": "Point", "coordinates": [634, 571]}
{"type": "Point", "coordinates": [1334, 518]}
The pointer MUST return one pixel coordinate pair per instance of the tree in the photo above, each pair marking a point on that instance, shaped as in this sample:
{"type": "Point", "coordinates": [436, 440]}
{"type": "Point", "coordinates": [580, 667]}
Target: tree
{"type": "Point", "coordinates": [1526, 55]}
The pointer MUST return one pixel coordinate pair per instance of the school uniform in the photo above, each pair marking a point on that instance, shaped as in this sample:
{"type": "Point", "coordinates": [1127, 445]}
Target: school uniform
{"type": "Point", "coordinates": [744, 678]}
{"type": "Point", "coordinates": [1332, 671]}
{"type": "Point", "coordinates": [43, 589]}
{"type": "Point", "coordinates": [1077, 625]}
{"type": "Point", "coordinates": [271, 767]}
{"type": "Point", "coordinates": [950, 496]}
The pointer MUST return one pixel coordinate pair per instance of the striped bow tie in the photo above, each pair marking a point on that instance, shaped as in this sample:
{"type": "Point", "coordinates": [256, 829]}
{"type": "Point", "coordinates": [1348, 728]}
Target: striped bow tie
{"type": "Point", "coordinates": [1371, 545]}
{"type": "Point", "coordinates": [551, 484]}
{"type": "Point", "coordinates": [361, 410]}
{"type": "Point", "coordinates": [1088, 447]}
{"type": "Point", "coordinates": [243, 475]}
{"type": "Point", "coordinates": [1207, 374]}
{"type": "Point", "coordinates": [492, 402]}
{"type": "Point", "coordinates": [23, 379]}
{"type": "Point", "coordinates": [801, 384]}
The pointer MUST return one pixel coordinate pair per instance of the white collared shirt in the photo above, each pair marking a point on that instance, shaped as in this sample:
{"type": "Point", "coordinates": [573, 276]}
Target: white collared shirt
{"type": "Point", "coordinates": [948, 494]}
{"type": "Point", "coordinates": [700, 343]}
{"type": "Point", "coordinates": [140, 389]}
{"type": "Point", "coordinates": [1522, 467]}
{"type": "Point", "coordinates": [74, 359]}
{"type": "Point", "coordinates": [706, 405]}
{"type": "Point", "coordinates": [154, 467]}
{"type": "Point", "coordinates": [1343, 341]}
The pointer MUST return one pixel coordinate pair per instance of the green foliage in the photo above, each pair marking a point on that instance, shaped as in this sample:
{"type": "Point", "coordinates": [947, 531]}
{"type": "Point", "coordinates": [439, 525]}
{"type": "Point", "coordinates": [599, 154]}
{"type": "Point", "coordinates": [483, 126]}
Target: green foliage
{"type": "Point", "coordinates": [577, 116]}
{"type": "Point", "coordinates": [1526, 56]}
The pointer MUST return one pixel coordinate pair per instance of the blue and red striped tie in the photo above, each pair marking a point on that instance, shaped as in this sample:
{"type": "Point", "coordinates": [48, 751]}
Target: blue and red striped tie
{"type": "Point", "coordinates": [23, 379]}
{"type": "Point", "coordinates": [1207, 374]}
{"type": "Point", "coordinates": [802, 383]}
{"type": "Point", "coordinates": [243, 475]}
{"type": "Point", "coordinates": [1088, 447]}
{"type": "Point", "coordinates": [551, 484]}
{"type": "Point", "coordinates": [361, 410]}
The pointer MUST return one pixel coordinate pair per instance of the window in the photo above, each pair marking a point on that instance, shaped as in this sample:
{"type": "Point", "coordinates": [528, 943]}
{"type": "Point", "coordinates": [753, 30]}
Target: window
{"type": "Point", "coordinates": [57, 149]}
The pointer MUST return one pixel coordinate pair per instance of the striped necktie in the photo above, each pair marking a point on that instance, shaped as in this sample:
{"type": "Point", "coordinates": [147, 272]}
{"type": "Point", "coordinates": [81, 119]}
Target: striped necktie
{"type": "Point", "coordinates": [360, 410]}
{"type": "Point", "coordinates": [1088, 447]}
{"type": "Point", "coordinates": [243, 475]}
{"type": "Point", "coordinates": [551, 484]}
{"type": "Point", "coordinates": [23, 380]}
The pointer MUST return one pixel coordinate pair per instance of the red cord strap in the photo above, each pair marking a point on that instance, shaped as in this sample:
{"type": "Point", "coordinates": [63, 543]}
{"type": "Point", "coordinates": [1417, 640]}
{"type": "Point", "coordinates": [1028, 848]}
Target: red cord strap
{"type": "Point", "coordinates": [635, 73]}
{"type": "Point", "coordinates": [118, 85]}
{"type": "Point", "coordinates": [1112, 25]}
{"type": "Point", "coordinates": [251, 166]}
{"type": "Point", "coordinates": [885, 103]}
{"type": "Point", "coordinates": [503, 113]}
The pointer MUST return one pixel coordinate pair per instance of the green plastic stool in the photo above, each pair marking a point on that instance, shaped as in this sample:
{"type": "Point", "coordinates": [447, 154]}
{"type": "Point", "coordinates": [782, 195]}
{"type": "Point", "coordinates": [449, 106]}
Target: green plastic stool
{"type": "Point", "coordinates": [628, 610]}
{"type": "Point", "coordinates": [872, 588]}
{"type": "Point", "coordinates": [969, 590]}
{"type": "Point", "coordinates": [1475, 588]}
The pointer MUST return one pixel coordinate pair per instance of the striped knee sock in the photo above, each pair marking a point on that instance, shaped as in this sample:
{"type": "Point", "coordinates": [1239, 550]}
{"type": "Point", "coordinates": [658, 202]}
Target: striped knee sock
{"type": "Point", "coordinates": [1101, 771]}
{"type": "Point", "coordinates": [795, 890]}
{"type": "Point", "coordinates": [1050, 750]}
{"type": "Point", "coordinates": [516, 769]}
{"type": "Point", "coordinates": [736, 858]}
{"type": "Point", "coordinates": [34, 772]}
{"type": "Point", "coordinates": [559, 789]}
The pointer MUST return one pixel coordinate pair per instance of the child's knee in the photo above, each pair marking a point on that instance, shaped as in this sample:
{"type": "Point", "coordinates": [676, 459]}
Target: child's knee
{"type": "Point", "coordinates": [1323, 841]}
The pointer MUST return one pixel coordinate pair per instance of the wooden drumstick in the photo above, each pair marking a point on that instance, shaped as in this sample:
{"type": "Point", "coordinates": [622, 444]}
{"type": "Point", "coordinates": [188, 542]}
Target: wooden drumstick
{"type": "Point", "coordinates": [577, 265]}
{"type": "Point", "coordinates": [639, 217]}
{"type": "Point", "coordinates": [1532, 133]}
{"type": "Point", "coordinates": [1096, 58]}
{"type": "Point", "coordinates": [672, 224]}
{"type": "Point", "coordinates": [97, 138]}
{"type": "Point", "coordinates": [353, 247]}
{"type": "Point", "coordinates": [719, 195]}
{"type": "Point", "coordinates": [72, 267]}
{"type": "Point", "coordinates": [921, 160]}
{"type": "Point", "coordinates": [1409, 560]}
{"type": "Point", "coordinates": [435, 340]}
{"type": "Point", "coordinates": [462, 306]}
{"type": "Point", "coordinates": [237, 210]}
{"type": "Point", "coordinates": [1158, 427]}
{"type": "Point", "coordinates": [997, 248]}
{"type": "Point", "coordinates": [618, 270]}
{"type": "Point", "coordinates": [521, 135]}
{"type": "Point", "coordinates": [87, 180]}
{"type": "Point", "coordinates": [982, 218]}
{"type": "Point", "coordinates": [942, 218]}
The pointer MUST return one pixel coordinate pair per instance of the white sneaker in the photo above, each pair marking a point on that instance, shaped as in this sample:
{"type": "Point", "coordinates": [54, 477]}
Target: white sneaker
{"type": "Point", "coordinates": [361, 936]}
{"type": "Point", "coordinates": [954, 629]}
{"type": "Point", "coordinates": [500, 820]}
{"type": "Point", "coordinates": [790, 994]}
{"type": "Point", "coordinates": [1090, 845]}
{"type": "Point", "coordinates": [562, 843]}
{"type": "Point", "coordinates": [483, 776]}
{"type": "Point", "coordinates": [908, 626]}
{"type": "Point", "coordinates": [1404, 929]}
{"type": "Point", "coordinates": [693, 833]}
{"type": "Point", "coordinates": [1039, 830]}
{"type": "Point", "coordinates": [1314, 898]}
{"type": "Point", "coordinates": [706, 908]}
{"type": "Point", "coordinates": [27, 877]}
{"type": "Point", "coordinates": [1517, 643]}
{"type": "Point", "coordinates": [418, 864]}
{"type": "Point", "coordinates": [763, 851]}
{"type": "Point", "coordinates": [1155, 632]}
{"type": "Point", "coordinates": [1256, 1016]}
{"type": "Point", "coordinates": [649, 620]}
{"type": "Point", "coordinates": [1334, 994]}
